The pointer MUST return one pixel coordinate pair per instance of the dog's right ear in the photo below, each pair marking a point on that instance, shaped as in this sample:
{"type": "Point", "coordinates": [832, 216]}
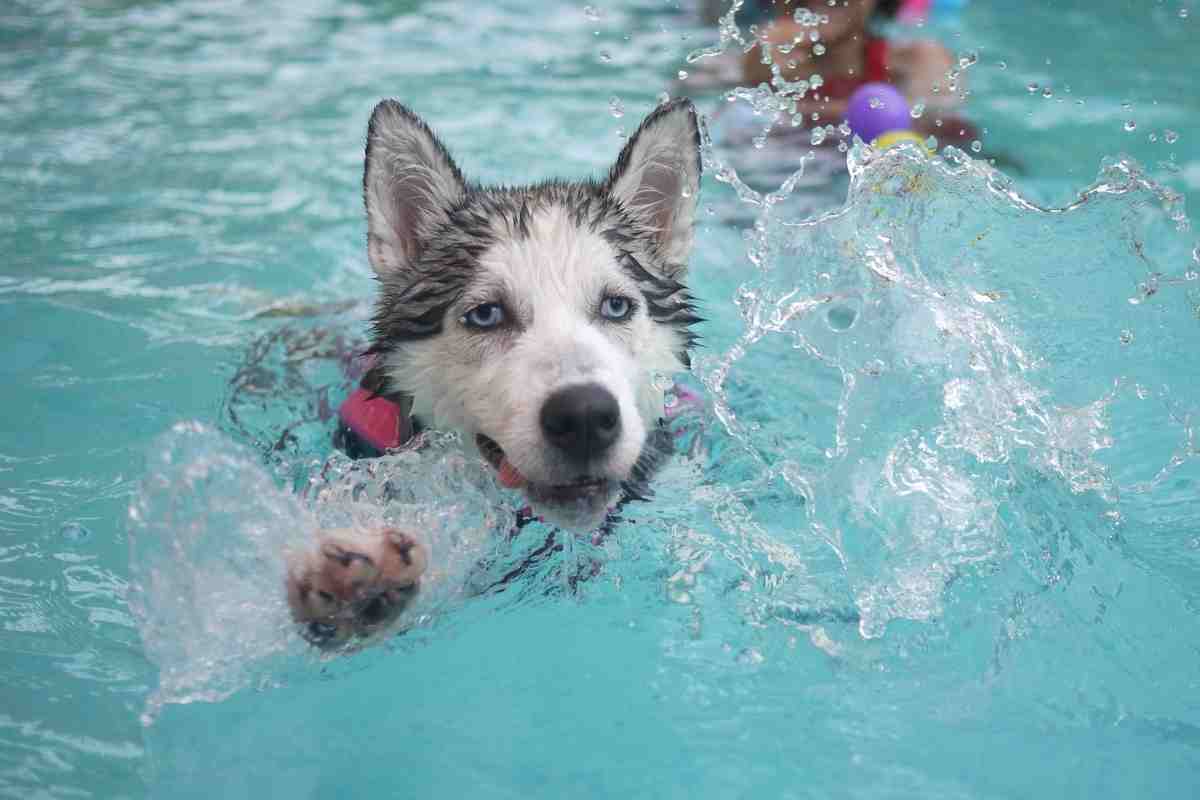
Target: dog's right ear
{"type": "Point", "coordinates": [410, 183]}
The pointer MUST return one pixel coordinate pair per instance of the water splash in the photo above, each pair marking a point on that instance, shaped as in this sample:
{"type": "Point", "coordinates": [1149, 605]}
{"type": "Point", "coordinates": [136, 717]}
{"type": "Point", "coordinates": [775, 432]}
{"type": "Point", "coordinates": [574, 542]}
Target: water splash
{"type": "Point", "coordinates": [212, 532]}
{"type": "Point", "coordinates": [913, 362]}
{"type": "Point", "coordinates": [209, 536]}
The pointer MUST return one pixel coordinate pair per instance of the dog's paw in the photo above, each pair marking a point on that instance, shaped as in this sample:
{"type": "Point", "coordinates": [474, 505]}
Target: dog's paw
{"type": "Point", "coordinates": [354, 584]}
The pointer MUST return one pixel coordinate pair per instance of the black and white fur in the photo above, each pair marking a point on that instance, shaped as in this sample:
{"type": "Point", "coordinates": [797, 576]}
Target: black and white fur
{"type": "Point", "coordinates": [560, 389]}
{"type": "Point", "coordinates": [548, 255]}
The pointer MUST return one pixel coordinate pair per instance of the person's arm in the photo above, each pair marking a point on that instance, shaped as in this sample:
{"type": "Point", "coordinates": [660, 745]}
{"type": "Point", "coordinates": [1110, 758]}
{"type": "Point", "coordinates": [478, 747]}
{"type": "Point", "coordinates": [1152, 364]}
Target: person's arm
{"type": "Point", "coordinates": [917, 67]}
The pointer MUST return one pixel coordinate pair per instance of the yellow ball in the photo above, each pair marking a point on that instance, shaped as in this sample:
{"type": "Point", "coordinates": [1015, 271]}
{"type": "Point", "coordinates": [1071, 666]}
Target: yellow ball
{"type": "Point", "coordinates": [885, 140]}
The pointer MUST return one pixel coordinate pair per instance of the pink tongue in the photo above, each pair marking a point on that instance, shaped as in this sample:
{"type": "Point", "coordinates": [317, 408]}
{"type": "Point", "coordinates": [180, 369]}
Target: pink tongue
{"type": "Point", "coordinates": [508, 475]}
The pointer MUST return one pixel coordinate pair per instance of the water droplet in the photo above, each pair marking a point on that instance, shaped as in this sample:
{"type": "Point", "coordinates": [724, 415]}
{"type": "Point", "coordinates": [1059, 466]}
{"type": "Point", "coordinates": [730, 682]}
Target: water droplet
{"type": "Point", "coordinates": [1032, 88]}
{"type": "Point", "coordinates": [932, 143]}
{"type": "Point", "coordinates": [1153, 137]}
{"type": "Point", "coordinates": [1003, 65]}
{"type": "Point", "coordinates": [74, 532]}
{"type": "Point", "coordinates": [1047, 92]}
{"type": "Point", "coordinates": [818, 136]}
{"type": "Point", "coordinates": [917, 110]}
{"type": "Point", "coordinates": [806, 18]}
{"type": "Point", "coordinates": [592, 13]}
{"type": "Point", "coordinates": [968, 59]}
{"type": "Point", "coordinates": [875, 102]}
{"type": "Point", "coordinates": [1170, 136]}
{"type": "Point", "coordinates": [1126, 336]}
{"type": "Point", "coordinates": [683, 75]}
{"type": "Point", "coordinates": [818, 49]}
{"type": "Point", "coordinates": [1130, 125]}
{"type": "Point", "coordinates": [663, 98]}
{"type": "Point", "coordinates": [616, 107]}
{"type": "Point", "coordinates": [1141, 391]}
{"type": "Point", "coordinates": [620, 133]}
{"type": "Point", "coordinates": [605, 56]}
{"type": "Point", "coordinates": [1183, 13]}
{"type": "Point", "coordinates": [977, 146]}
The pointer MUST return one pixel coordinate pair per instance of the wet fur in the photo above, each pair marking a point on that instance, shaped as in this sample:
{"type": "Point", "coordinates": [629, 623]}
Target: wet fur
{"type": "Point", "coordinates": [549, 253]}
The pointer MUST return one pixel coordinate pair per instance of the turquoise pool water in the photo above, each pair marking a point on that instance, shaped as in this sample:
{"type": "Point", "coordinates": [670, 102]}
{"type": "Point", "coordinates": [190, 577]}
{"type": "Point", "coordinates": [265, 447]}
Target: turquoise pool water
{"type": "Point", "coordinates": [944, 538]}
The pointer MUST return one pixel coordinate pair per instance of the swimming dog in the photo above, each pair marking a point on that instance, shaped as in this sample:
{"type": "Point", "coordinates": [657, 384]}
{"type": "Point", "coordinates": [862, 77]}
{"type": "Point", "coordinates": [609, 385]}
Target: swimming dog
{"type": "Point", "coordinates": [533, 320]}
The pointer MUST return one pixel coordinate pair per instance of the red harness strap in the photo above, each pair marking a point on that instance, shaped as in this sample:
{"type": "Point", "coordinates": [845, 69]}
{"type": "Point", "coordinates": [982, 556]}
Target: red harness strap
{"type": "Point", "coordinates": [375, 419]}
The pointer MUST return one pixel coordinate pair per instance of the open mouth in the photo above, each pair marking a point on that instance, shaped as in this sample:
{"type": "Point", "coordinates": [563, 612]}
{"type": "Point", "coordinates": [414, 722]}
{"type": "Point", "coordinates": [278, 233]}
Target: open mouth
{"type": "Point", "coordinates": [582, 487]}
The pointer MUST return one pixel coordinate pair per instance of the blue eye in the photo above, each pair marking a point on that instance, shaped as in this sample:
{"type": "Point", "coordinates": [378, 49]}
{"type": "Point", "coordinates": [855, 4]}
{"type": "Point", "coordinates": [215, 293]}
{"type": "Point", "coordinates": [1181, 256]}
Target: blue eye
{"type": "Point", "coordinates": [483, 317]}
{"type": "Point", "coordinates": [616, 308]}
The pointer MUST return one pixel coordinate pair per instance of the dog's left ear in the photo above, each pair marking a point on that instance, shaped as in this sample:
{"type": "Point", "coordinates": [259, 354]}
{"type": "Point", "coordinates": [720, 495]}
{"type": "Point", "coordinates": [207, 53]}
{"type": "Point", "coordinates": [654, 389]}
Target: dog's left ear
{"type": "Point", "coordinates": [657, 178]}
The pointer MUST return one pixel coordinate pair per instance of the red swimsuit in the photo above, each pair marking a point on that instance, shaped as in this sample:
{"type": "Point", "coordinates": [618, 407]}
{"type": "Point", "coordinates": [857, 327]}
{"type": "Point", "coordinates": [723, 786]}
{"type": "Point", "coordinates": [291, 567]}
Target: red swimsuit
{"type": "Point", "coordinates": [875, 70]}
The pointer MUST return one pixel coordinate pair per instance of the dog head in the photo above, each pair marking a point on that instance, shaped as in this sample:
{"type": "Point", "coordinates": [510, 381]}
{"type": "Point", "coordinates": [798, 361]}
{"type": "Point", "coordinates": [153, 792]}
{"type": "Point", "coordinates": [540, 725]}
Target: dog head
{"type": "Point", "coordinates": [536, 320]}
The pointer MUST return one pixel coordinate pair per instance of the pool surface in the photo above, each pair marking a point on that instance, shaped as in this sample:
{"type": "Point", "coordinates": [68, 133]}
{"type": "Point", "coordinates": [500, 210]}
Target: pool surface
{"type": "Point", "coordinates": [938, 534]}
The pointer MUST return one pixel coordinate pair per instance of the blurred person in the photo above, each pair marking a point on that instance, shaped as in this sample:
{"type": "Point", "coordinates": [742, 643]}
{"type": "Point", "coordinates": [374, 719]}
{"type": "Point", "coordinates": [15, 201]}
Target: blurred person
{"type": "Point", "coordinates": [848, 54]}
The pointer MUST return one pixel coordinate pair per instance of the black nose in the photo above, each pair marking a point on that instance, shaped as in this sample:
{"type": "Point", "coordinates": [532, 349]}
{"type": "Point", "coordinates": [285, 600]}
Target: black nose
{"type": "Point", "coordinates": [582, 421]}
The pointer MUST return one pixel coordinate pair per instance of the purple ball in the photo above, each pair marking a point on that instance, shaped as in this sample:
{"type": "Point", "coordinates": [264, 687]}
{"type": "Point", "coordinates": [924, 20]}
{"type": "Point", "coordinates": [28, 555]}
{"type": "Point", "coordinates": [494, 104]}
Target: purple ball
{"type": "Point", "coordinates": [877, 108]}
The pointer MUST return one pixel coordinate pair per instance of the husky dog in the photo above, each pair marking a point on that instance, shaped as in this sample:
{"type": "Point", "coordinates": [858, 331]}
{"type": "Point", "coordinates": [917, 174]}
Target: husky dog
{"type": "Point", "coordinates": [533, 320]}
